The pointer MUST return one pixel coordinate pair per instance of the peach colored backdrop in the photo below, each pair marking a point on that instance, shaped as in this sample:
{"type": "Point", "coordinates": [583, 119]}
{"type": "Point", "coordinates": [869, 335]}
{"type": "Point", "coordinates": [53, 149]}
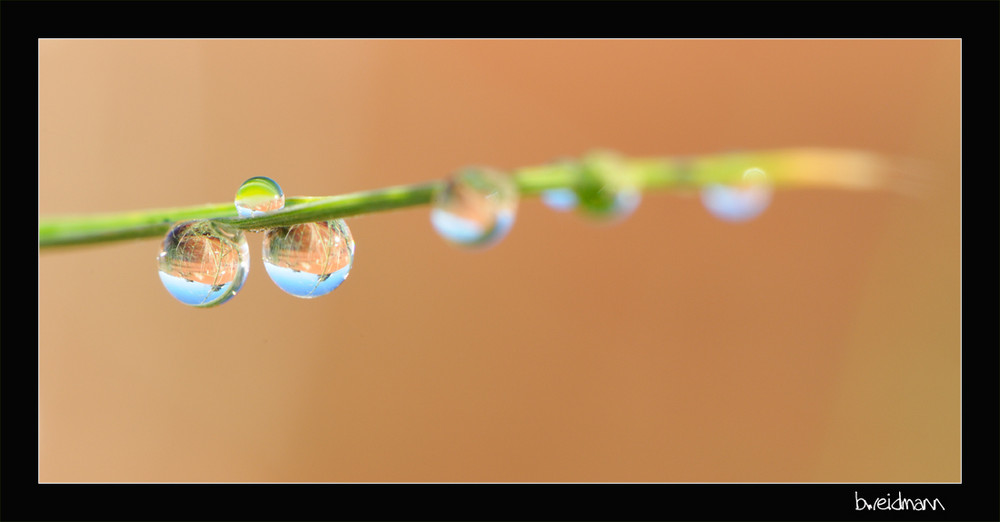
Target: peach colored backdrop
{"type": "Point", "coordinates": [819, 343]}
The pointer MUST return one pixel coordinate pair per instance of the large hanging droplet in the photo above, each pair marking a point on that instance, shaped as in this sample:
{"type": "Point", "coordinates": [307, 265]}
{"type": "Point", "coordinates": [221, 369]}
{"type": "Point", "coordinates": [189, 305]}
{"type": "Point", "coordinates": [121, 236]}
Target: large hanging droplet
{"type": "Point", "coordinates": [476, 208]}
{"type": "Point", "coordinates": [258, 196]}
{"type": "Point", "coordinates": [310, 259]}
{"type": "Point", "coordinates": [742, 202]}
{"type": "Point", "coordinates": [204, 263]}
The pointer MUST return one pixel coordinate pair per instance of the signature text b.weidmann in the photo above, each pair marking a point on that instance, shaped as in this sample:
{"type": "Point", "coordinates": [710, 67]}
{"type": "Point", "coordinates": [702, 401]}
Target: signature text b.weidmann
{"type": "Point", "coordinates": [888, 503]}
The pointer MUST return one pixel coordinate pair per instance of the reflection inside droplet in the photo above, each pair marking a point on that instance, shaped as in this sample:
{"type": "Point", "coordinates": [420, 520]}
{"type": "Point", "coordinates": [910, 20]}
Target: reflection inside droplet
{"type": "Point", "coordinates": [739, 203]}
{"type": "Point", "coordinates": [606, 189]}
{"type": "Point", "coordinates": [258, 196]}
{"type": "Point", "coordinates": [611, 203]}
{"type": "Point", "coordinates": [476, 208]}
{"type": "Point", "coordinates": [603, 189]}
{"type": "Point", "coordinates": [203, 263]}
{"type": "Point", "coordinates": [561, 199]}
{"type": "Point", "coordinates": [310, 259]}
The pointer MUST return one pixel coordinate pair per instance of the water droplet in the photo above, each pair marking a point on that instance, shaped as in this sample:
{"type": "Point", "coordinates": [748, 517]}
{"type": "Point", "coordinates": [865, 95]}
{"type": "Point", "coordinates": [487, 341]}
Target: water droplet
{"type": "Point", "coordinates": [476, 208]}
{"type": "Point", "coordinates": [258, 196]}
{"type": "Point", "coordinates": [561, 199]}
{"type": "Point", "coordinates": [605, 190]}
{"type": "Point", "coordinates": [610, 203]}
{"type": "Point", "coordinates": [739, 203]}
{"type": "Point", "coordinates": [204, 263]}
{"type": "Point", "coordinates": [310, 259]}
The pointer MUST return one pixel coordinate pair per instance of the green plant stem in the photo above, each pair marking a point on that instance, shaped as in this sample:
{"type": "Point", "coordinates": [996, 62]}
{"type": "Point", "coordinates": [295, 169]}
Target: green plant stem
{"type": "Point", "coordinates": [646, 174]}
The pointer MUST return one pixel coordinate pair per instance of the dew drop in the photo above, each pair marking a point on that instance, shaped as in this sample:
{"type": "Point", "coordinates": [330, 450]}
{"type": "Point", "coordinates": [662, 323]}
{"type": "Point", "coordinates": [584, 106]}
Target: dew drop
{"type": "Point", "coordinates": [611, 203]}
{"type": "Point", "coordinates": [561, 199]}
{"type": "Point", "coordinates": [258, 196]}
{"type": "Point", "coordinates": [476, 208]}
{"type": "Point", "coordinates": [310, 259]}
{"type": "Point", "coordinates": [204, 263]}
{"type": "Point", "coordinates": [606, 192]}
{"type": "Point", "coordinates": [739, 203]}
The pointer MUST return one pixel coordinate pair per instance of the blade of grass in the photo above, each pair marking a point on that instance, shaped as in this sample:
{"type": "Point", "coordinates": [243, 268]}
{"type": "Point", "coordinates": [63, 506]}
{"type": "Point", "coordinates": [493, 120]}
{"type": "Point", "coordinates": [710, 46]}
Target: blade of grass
{"type": "Point", "coordinates": [791, 168]}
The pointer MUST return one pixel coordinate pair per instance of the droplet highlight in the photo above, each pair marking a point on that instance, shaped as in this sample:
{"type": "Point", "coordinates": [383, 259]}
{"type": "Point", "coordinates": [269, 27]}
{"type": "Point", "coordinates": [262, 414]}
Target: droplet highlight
{"type": "Point", "coordinates": [204, 263]}
{"type": "Point", "coordinates": [742, 202]}
{"type": "Point", "coordinates": [476, 207]}
{"type": "Point", "coordinates": [310, 259]}
{"type": "Point", "coordinates": [258, 196]}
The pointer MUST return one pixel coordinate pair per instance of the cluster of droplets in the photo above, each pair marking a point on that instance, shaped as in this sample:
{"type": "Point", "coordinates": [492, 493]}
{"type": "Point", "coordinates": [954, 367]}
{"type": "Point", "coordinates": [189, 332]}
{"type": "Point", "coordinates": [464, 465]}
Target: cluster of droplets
{"type": "Point", "coordinates": [204, 263]}
{"type": "Point", "coordinates": [475, 207]}
{"type": "Point", "coordinates": [603, 190]}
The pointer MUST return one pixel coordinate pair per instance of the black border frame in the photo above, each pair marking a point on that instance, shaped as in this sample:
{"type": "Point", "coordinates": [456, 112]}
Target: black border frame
{"type": "Point", "coordinates": [976, 23]}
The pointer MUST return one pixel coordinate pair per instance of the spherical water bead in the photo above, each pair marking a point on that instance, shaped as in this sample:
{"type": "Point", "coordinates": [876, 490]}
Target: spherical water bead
{"type": "Point", "coordinates": [561, 199]}
{"type": "Point", "coordinates": [258, 196]}
{"type": "Point", "coordinates": [476, 208]}
{"type": "Point", "coordinates": [611, 203]}
{"type": "Point", "coordinates": [739, 203]}
{"type": "Point", "coordinates": [310, 259]}
{"type": "Point", "coordinates": [606, 191]}
{"type": "Point", "coordinates": [204, 263]}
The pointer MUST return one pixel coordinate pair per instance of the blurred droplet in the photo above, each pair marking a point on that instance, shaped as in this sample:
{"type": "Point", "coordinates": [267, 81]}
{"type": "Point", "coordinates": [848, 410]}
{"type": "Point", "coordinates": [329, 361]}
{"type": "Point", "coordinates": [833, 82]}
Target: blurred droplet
{"type": "Point", "coordinates": [476, 207]}
{"type": "Point", "coordinates": [611, 203]}
{"type": "Point", "coordinates": [258, 196]}
{"type": "Point", "coordinates": [742, 202]}
{"type": "Point", "coordinates": [203, 263]}
{"type": "Point", "coordinates": [310, 259]}
{"type": "Point", "coordinates": [606, 191]}
{"type": "Point", "coordinates": [561, 199]}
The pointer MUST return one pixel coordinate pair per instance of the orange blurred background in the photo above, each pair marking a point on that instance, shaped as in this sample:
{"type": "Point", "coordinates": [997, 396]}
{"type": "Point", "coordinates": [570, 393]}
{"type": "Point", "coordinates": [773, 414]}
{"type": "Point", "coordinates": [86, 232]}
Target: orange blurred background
{"type": "Point", "coordinates": [817, 343]}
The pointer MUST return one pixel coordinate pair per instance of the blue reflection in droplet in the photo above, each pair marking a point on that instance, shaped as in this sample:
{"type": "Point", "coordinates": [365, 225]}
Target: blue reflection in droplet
{"type": "Point", "coordinates": [305, 284]}
{"type": "Point", "coordinates": [476, 208]}
{"type": "Point", "coordinates": [739, 203]}
{"type": "Point", "coordinates": [203, 263]}
{"type": "Point", "coordinates": [310, 259]}
{"type": "Point", "coordinates": [192, 292]}
{"type": "Point", "coordinates": [561, 199]}
{"type": "Point", "coordinates": [626, 201]}
{"type": "Point", "coordinates": [457, 229]}
{"type": "Point", "coordinates": [470, 232]}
